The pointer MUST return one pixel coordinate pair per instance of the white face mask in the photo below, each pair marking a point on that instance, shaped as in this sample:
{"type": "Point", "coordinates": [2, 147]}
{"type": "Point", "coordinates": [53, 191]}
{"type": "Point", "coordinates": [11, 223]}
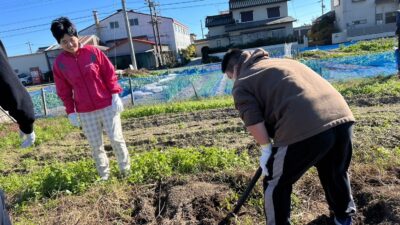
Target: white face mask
{"type": "Point", "coordinates": [232, 75]}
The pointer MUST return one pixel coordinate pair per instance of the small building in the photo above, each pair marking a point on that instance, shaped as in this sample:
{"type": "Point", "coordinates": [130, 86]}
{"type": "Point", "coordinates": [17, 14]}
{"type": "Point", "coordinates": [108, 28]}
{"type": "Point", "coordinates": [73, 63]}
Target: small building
{"type": "Point", "coordinates": [119, 53]}
{"type": "Point", "coordinates": [364, 19]}
{"type": "Point", "coordinates": [249, 21]}
{"type": "Point", "coordinates": [172, 33]}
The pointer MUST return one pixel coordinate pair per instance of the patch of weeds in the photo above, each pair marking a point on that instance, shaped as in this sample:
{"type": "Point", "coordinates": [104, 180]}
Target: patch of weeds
{"type": "Point", "coordinates": [28, 164]}
{"type": "Point", "coordinates": [381, 157]}
{"type": "Point", "coordinates": [373, 87]}
{"type": "Point", "coordinates": [155, 164]}
{"type": "Point", "coordinates": [48, 129]}
{"type": "Point", "coordinates": [76, 177]}
{"type": "Point", "coordinates": [176, 107]}
{"type": "Point", "coordinates": [229, 202]}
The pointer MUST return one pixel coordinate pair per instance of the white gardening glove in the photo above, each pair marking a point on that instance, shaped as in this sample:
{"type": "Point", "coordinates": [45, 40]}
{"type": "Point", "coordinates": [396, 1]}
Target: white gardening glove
{"type": "Point", "coordinates": [266, 151]}
{"type": "Point", "coordinates": [117, 105]}
{"type": "Point", "coordinates": [73, 119]}
{"type": "Point", "coordinates": [27, 139]}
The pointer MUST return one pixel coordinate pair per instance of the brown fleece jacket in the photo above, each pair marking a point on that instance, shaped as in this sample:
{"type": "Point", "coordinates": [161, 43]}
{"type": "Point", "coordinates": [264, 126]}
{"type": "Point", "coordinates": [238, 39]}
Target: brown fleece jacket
{"type": "Point", "coordinates": [293, 101]}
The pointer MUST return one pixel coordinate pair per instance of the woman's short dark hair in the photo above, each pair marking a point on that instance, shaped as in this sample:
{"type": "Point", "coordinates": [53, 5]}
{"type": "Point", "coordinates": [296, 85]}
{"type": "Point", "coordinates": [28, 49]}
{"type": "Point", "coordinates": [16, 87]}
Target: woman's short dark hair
{"type": "Point", "coordinates": [230, 59]}
{"type": "Point", "coordinates": [62, 26]}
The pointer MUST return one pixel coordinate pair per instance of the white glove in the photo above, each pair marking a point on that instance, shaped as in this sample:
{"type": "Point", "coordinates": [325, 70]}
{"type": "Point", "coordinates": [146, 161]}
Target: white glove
{"type": "Point", "coordinates": [266, 151]}
{"type": "Point", "coordinates": [73, 119]}
{"type": "Point", "coordinates": [117, 105]}
{"type": "Point", "coordinates": [27, 139]}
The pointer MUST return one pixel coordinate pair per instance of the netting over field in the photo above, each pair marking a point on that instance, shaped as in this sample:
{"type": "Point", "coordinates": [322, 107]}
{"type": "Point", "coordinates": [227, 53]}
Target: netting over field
{"type": "Point", "coordinates": [208, 81]}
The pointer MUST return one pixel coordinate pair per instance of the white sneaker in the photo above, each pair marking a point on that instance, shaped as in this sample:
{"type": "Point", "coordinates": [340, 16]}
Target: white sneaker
{"type": "Point", "coordinates": [105, 177]}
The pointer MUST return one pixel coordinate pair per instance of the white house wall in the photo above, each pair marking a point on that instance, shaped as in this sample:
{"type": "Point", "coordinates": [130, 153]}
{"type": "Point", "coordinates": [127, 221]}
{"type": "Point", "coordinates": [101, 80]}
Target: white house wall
{"type": "Point", "coordinates": [386, 7]}
{"type": "Point", "coordinates": [215, 31]}
{"type": "Point", "coordinates": [219, 42]}
{"type": "Point", "coordinates": [347, 12]}
{"type": "Point", "coordinates": [144, 28]}
{"type": "Point", "coordinates": [182, 36]}
{"type": "Point", "coordinates": [260, 12]}
{"type": "Point", "coordinates": [364, 10]}
{"type": "Point", "coordinates": [23, 63]}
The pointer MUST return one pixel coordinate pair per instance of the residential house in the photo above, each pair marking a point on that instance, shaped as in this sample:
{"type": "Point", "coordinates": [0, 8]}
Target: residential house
{"type": "Point", "coordinates": [248, 21]}
{"type": "Point", "coordinates": [364, 19]}
{"type": "Point", "coordinates": [112, 29]}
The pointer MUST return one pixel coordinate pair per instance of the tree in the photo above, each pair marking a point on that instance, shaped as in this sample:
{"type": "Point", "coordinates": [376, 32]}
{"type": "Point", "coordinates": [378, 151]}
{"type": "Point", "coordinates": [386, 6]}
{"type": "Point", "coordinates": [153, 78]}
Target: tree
{"type": "Point", "coordinates": [322, 29]}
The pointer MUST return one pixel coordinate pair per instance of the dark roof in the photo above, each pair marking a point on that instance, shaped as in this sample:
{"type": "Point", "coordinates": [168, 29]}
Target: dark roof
{"type": "Point", "coordinates": [237, 4]}
{"type": "Point", "coordinates": [223, 19]}
{"type": "Point", "coordinates": [256, 24]}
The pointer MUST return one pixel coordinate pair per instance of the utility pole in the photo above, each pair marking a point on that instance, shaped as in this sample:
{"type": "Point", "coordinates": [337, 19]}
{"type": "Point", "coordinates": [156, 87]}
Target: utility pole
{"type": "Point", "coordinates": [128, 30]}
{"type": "Point", "coordinates": [158, 63]}
{"type": "Point", "coordinates": [154, 24]}
{"type": "Point", "coordinates": [97, 23]}
{"type": "Point", "coordinates": [322, 6]}
{"type": "Point", "coordinates": [201, 24]}
{"type": "Point", "coordinates": [30, 47]}
{"type": "Point", "coordinates": [158, 36]}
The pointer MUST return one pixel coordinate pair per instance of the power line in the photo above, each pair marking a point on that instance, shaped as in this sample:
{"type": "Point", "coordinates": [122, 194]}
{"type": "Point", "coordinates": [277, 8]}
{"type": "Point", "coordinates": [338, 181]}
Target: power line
{"type": "Point", "coordinates": [34, 31]}
{"type": "Point", "coordinates": [178, 3]}
{"type": "Point", "coordinates": [39, 25]}
{"type": "Point", "coordinates": [47, 17]}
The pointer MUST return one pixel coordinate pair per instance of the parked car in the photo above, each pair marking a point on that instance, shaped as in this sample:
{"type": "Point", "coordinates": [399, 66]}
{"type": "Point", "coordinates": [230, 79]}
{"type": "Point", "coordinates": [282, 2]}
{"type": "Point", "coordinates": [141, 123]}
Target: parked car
{"type": "Point", "coordinates": [25, 79]}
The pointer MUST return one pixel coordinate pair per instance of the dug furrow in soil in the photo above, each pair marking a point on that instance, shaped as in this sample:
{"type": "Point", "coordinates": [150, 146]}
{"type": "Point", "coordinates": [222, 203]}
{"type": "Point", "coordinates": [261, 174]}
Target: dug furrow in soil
{"type": "Point", "coordinates": [206, 198]}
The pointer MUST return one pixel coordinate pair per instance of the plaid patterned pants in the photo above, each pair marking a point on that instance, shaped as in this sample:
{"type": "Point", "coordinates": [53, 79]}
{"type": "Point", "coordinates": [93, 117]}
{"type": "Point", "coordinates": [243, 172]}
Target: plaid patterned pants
{"type": "Point", "coordinates": [93, 124]}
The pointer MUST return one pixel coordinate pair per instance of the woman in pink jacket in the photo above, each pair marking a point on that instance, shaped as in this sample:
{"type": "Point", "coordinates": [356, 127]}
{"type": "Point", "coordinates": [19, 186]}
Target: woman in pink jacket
{"type": "Point", "coordinates": [86, 83]}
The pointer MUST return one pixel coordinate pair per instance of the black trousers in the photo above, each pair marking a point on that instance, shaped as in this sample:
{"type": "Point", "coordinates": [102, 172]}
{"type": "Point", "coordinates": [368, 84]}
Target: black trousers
{"type": "Point", "coordinates": [330, 152]}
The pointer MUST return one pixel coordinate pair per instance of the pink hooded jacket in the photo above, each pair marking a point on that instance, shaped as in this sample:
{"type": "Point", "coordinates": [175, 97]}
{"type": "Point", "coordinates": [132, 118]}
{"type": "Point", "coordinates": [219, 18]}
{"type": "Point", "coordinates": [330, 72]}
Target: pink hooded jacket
{"type": "Point", "coordinates": [85, 81]}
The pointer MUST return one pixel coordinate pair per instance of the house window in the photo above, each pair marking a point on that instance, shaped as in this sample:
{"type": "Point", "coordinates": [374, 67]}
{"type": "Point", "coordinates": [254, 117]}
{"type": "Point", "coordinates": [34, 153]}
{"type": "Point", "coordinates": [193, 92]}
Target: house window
{"type": "Point", "coordinates": [133, 22]}
{"type": "Point", "coordinates": [114, 25]}
{"type": "Point", "coordinates": [390, 17]}
{"type": "Point", "coordinates": [357, 0]}
{"type": "Point", "coordinates": [246, 16]}
{"type": "Point", "coordinates": [379, 18]}
{"type": "Point", "coordinates": [336, 3]}
{"type": "Point", "coordinates": [357, 22]}
{"type": "Point", "coordinates": [273, 12]}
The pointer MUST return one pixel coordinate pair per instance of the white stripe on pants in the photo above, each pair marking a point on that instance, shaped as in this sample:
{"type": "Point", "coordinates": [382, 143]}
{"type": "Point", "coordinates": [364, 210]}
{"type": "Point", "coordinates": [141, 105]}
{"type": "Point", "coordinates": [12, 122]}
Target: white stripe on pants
{"type": "Point", "coordinates": [93, 124]}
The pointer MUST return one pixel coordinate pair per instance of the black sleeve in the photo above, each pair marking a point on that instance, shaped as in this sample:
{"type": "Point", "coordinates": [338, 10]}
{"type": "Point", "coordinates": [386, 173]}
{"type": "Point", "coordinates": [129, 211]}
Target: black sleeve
{"type": "Point", "coordinates": [14, 97]}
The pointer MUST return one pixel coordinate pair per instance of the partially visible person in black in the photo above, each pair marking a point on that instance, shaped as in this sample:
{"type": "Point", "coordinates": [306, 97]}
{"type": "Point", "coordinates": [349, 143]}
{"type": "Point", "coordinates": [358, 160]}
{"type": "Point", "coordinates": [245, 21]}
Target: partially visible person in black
{"type": "Point", "coordinates": [16, 100]}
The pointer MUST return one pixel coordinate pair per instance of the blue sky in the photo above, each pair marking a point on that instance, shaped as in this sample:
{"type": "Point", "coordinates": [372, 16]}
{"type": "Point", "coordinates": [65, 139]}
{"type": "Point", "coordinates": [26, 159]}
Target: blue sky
{"type": "Point", "coordinates": [28, 21]}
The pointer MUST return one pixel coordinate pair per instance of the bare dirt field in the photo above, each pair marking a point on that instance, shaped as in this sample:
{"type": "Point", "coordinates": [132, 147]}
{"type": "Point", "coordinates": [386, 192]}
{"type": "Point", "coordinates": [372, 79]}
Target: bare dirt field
{"type": "Point", "coordinates": [206, 198]}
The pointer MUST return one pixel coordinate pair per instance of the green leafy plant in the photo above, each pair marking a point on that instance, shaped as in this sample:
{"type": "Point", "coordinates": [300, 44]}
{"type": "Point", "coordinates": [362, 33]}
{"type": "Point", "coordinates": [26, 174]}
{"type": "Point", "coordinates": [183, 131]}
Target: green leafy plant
{"type": "Point", "coordinates": [175, 107]}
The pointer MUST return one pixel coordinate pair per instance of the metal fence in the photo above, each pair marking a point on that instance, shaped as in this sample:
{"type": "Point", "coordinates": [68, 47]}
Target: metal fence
{"type": "Point", "coordinates": [208, 81]}
{"type": "Point", "coordinates": [174, 85]}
